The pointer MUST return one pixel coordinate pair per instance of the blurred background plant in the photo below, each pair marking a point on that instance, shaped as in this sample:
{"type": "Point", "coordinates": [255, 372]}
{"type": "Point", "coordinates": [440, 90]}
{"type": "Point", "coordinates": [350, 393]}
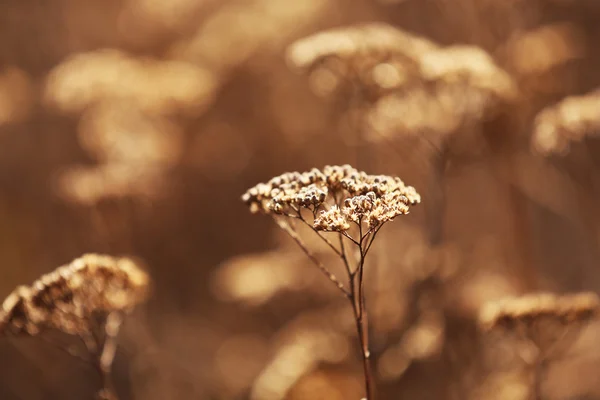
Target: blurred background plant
{"type": "Point", "coordinates": [131, 127]}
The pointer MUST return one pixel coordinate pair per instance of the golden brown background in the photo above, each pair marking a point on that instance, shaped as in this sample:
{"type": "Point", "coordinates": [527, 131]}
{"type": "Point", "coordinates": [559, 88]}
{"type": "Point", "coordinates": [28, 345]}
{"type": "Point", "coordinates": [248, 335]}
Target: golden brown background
{"type": "Point", "coordinates": [132, 127]}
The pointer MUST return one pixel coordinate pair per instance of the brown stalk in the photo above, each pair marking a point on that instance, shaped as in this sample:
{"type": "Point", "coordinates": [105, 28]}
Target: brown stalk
{"type": "Point", "coordinates": [362, 322]}
{"type": "Point", "coordinates": [355, 295]}
{"type": "Point", "coordinates": [294, 235]}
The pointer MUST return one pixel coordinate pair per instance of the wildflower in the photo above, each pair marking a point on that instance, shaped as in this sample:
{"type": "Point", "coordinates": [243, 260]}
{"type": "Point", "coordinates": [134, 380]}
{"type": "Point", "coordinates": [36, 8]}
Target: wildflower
{"type": "Point", "coordinates": [341, 200]}
{"type": "Point", "coordinates": [67, 298]}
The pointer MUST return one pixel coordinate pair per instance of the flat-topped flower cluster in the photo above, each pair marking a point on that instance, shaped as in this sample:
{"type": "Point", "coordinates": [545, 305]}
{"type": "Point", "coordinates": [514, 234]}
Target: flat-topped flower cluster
{"type": "Point", "coordinates": [336, 196]}
{"type": "Point", "coordinates": [528, 309]}
{"type": "Point", "coordinates": [68, 298]}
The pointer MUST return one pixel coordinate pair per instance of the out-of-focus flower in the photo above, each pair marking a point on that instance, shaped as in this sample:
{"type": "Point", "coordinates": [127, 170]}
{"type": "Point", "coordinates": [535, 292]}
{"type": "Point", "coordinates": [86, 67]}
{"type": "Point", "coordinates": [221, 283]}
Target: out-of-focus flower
{"type": "Point", "coordinates": [416, 111]}
{"type": "Point", "coordinates": [301, 347]}
{"type": "Point", "coordinates": [135, 152]}
{"type": "Point", "coordinates": [570, 120]}
{"type": "Point", "coordinates": [542, 49]}
{"type": "Point", "coordinates": [255, 279]}
{"type": "Point", "coordinates": [127, 105]}
{"type": "Point", "coordinates": [358, 42]}
{"type": "Point", "coordinates": [157, 87]}
{"type": "Point", "coordinates": [402, 83]}
{"type": "Point", "coordinates": [144, 21]}
{"type": "Point", "coordinates": [237, 30]}
{"type": "Point", "coordinates": [377, 57]}
{"type": "Point", "coordinates": [523, 312]}
{"type": "Point", "coordinates": [118, 132]}
{"type": "Point", "coordinates": [470, 67]}
{"type": "Point", "coordinates": [68, 298]}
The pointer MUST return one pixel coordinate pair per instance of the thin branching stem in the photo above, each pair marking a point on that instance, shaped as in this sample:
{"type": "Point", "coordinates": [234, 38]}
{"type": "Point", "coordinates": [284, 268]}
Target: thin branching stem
{"type": "Point", "coordinates": [107, 355]}
{"type": "Point", "coordinates": [360, 316]}
{"type": "Point", "coordinates": [350, 238]}
{"type": "Point", "coordinates": [372, 239]}
{"type": "Point", "coordinates": [294, 235]}
{"type": "Point", "coordinates": [344, 256]}
{"type": "Point", "coordinates": [539, 371]}
{"type": "Point", "coordinates": [327, 241]}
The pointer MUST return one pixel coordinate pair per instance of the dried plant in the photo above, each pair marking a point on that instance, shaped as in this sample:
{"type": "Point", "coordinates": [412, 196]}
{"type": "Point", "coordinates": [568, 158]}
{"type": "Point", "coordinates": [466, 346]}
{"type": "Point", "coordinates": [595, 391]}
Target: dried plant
{"type": "Point", "coordinates": [542, 321]}
{"type": "Point", "coordinates": [401, 82]}
{"type": "Point", "coordinates": [367, 60]}
{"type": "Point", "coordinates": [87, 298]}
{"type": "Point", "coordinates": [128, 108]}
{"type": "Point", "coordinates": [348, 203]}
{"type": "Point", "coordinates": [571, 120]}
{"type": "Point", "coordinates": [394, 85]}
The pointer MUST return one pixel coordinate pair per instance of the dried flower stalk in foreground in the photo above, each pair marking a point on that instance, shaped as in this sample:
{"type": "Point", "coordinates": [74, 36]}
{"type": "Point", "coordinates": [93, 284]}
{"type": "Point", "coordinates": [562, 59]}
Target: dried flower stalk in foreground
{"type": "Point", "coordinates": [542, 320]}
{"type": "Point", "coordinates": [343, 202]}
{"type": "Point", "coordinates": [87, 298]}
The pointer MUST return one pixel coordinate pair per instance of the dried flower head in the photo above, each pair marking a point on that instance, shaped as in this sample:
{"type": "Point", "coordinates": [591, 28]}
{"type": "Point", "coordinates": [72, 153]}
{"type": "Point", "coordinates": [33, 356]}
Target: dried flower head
{"type": "Point", "coordinates": [343, 201]}
{"type": "Point", "coordinates": [68, 298]}
{"type": "Point", "coordinates": [469, 66]}
{"type": "Point", "coordinates": [336, 196]}
{"type": "Point", "coordinates": [358, 41]}
{"type": "Point", "coordinates": [379, 56]}
{"type": "Point", "coordinates": [544, 325]}
{"type": "Point", "coordinates": [399, 83]}
{"type": "Point", "coordinates": [332, 220]}
{"type": "Point", "coordinates": [527, 310]}
{"type": "Point", "coordinates": [571, 120]}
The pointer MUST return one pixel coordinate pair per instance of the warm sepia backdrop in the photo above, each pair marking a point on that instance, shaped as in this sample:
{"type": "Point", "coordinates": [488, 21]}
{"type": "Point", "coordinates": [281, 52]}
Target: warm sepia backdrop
{"type": "Point", "coordinates": [132, 127]}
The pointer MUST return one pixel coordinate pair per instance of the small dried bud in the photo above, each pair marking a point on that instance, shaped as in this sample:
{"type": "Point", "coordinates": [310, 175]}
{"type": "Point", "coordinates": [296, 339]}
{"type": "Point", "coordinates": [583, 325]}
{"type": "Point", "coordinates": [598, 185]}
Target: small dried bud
{"type": "Point", "coordinates": [331, 220]}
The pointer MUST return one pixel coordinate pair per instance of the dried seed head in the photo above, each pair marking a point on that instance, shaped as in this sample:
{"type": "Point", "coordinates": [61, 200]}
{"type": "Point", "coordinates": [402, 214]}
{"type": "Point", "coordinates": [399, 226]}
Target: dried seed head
{"type": "Point", "coordinates": [342, 194]}
{"type": "Point", "coordinates": [14, 315]}
{"type": "Point", "coordinates": [375, 41]}
{"type": "Point", "coordinates": [527, 310]}
{"type": "Point", "coordinates": [470, 66]}
{"type": "Point", "coordinates": [67, 298]}
{"type": "Point", "coordinates": [570, 120]}
{"type": "Point", "coordinates": [331, 220]}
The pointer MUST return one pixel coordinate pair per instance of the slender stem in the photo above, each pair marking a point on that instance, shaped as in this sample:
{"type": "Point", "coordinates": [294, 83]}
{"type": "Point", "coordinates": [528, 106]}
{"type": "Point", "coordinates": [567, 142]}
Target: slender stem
{"type": "Point", "coordinates": [350, 238]}
{"type": "Point", "coordinates": [344, 256]}
{"type": "Point", "coordinates": [372, 239]}
{"type": "Point", "coordinates": [539, 371]}
{"type": "Point", "coordinates": [360, 316]}
{"type": "Point", "coordinates": [355, 294]}
{"type": "Point", "coordinates": [327, 241]}
{"type": "Point", "coordinates": [106, 356]}
{"type": "Point", "coordinates": [294, 235]}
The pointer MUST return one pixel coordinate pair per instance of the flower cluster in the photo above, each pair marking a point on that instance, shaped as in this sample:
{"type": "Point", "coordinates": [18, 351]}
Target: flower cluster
{"type": "Point", "coordinates": [376, 40]}
{"type": "Point", "coordinates": [383, 58]}
{"type": "Point", "coordinates": [341, 194]}
{"type": "Point", "coordinates": [68, 298]}
{"type": "Point", "coordinates": [526, 310]}
{"type": "Point", "coordinates": [569, 121]}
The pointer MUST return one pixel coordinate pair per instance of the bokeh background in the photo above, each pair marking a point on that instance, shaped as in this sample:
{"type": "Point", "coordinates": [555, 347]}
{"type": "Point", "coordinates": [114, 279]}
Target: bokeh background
{"type": "Point", "coordinates": [132, 127]}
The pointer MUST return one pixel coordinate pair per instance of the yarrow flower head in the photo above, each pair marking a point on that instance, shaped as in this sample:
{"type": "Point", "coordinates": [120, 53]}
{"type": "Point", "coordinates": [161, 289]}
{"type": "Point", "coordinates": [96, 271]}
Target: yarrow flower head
{"type": "Point", "coordinates": [337, 196]}
{"type": "Point", "coordinates": [526, 310]}
{"type": "Point", "coordinates": [68, 298]}
{"type": "Point", "coordinates": [343, 202]}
